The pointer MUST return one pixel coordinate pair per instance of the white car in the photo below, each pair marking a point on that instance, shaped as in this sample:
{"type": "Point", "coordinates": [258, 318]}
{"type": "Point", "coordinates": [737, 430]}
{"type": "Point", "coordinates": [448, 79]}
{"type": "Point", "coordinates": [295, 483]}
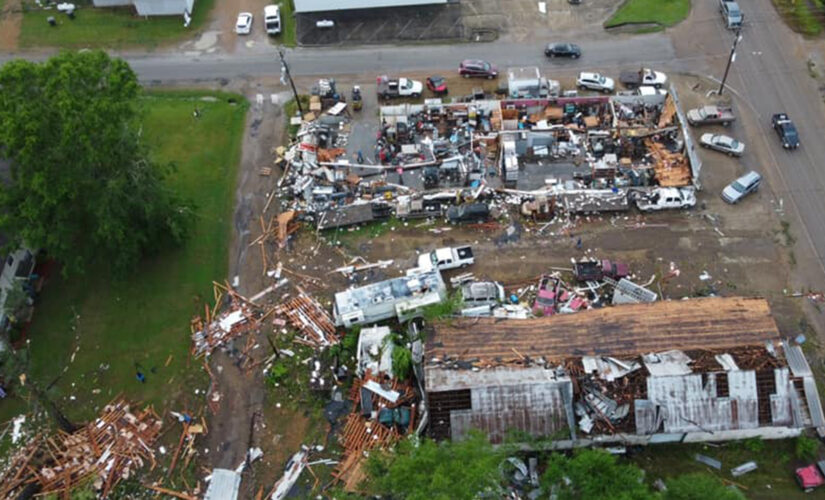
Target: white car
{"type": "Point", "coordinates": [244, 24]}
{"type": "Point", "coordinates": [741, 187]}
{"type": "Point", "coordinates": [595, 81]}
{"type": "Point", "coordinates": [272, 19]}
{"type": "Point", "coordinates": [723, 144]}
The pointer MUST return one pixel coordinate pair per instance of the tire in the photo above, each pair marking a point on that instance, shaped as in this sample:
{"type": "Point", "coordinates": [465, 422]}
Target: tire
{"type": "Point", "coordinates": [574, 56]}
{"type": "Point", "coordinates": [725, 124]}
{"type": "Point", "coordinates": [489, 77]}
{"type": "Point", "coordinates": [606, 91]}
{"type": "Point", "coordinates": [466, 75]}
{"type": "Point", "coordinates": [552, 55]}
{"type": "Point", "coordinates": [416, 95]}
{"type": "Point", "coordinates": [582, 87]}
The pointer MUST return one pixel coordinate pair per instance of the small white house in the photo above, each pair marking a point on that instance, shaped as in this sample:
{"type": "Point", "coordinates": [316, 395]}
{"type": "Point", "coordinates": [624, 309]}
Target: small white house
{"type": "Point", "coordinates": [152, 7]}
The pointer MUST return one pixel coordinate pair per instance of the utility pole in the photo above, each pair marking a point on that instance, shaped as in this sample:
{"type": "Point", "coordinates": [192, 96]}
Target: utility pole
{"type": "Point", "coordinates": [731, 58]}
{"type": "Point", "coordinates": [285, 72]}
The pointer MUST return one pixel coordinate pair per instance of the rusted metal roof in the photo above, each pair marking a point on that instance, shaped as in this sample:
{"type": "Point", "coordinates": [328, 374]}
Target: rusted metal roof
{"type": "Point", "coordinates": [709, 323]}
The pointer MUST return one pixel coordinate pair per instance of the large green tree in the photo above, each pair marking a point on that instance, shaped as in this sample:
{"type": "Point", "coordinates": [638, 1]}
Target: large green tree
{"type": "Point", "coordinates": [699, 486]}
{"type": "Point", "coordinates": [594, 475]}
{"type": "Point", "coordinates": [426, 470]}
{"type": "Point", "coordinates": [82, 185]}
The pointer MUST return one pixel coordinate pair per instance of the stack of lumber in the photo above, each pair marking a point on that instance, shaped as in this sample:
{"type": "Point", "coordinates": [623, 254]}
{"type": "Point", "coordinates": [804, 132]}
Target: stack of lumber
{"type": "Point", "coordinates": [208, 335]}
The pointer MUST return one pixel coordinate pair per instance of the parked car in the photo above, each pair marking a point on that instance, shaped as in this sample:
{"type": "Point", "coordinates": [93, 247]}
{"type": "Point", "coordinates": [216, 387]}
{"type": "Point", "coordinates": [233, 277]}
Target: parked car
{"type": "Point", "coordinates": [473, 212]}
{"type": "Point", "coordinates": [570, 50]}
{"type": "Point", "coordinates": [811, 477]}
{"type": "Point", "coordinates": [667, 198]}
{"type": "Point", "coordinates": [731, 14]}
{"type": "Point", "coordinates": [398, 87]}
{"type": "Point", "coordinates": [447, 258]}
{"type": "Point", "coordinates": [723, 144]}
{"type": "Point", "coordinates": [482, 293]}
{"type": "Point", "coordinates": [645, 76]}
{"type": "Point", "coordinates": [741, 187]}
{"type": "Point", "coordinates": [595, 81]}
{"type": "Point", "coordinates": [272, 19]}
{"type": "Point", "coordinates": [786, 130]}
{"type": "Point", "coordinates": [437, 84]}
{"type": "Point", "coordinates": [711, 115]}
{"type": "Point", "coordinates": [244, 24]}
{"type": "Point", "coordinates": [477, 68]}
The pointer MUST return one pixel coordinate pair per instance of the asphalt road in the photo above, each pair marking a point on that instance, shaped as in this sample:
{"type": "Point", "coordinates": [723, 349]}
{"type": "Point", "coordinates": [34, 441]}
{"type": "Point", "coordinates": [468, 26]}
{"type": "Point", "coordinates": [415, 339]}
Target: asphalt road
{"type": "Point", "coordinates": [604, 54]}
{"type": "Point", "coordinates": [770, 76]}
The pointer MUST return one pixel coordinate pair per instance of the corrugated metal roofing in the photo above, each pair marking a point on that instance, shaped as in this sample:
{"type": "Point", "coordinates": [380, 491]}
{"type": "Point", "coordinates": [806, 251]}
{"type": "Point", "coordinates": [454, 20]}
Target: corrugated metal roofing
{"type": "Point", "coordinates": [667, 363]}
{"type": "Point", "coordinates": [539, 409]}
{"type": "Point", "coordinates": [688, 406]}
{"type": "Point", "coordinates": [224, 485]}
{"type": "Point", "coordinates": [439, 379]}
{"type": "Point", "coordinates": [814, 404]}
{"type": "Point", "coordinates": [796, 360]}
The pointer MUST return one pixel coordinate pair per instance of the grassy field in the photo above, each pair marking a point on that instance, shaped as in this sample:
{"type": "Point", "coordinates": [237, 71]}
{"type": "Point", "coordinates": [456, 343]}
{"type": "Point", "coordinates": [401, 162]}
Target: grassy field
{"type": "Point", "coordinates": [143, 321]}
{"type": "Point", "coordinates": [662, 12]}
{"type": "Point", "coordinates": [800, 17]}
{"type": "Point", "coordinates": [110, 28]}
{"type": "Point", "coordinates": [287, 23]}
{"type": "Point", "coordinates": [776, 460]}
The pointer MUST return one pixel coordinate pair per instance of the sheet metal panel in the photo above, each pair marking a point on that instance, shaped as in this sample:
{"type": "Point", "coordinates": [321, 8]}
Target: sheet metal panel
{"type": "Point", "coordinates": [796, 360]}
{"type": "Point", "coordinates": [162, 7]}
{"type": "Point", "coordinates": [814, 404]}
{"type": "Point", "coordinates": [538, 409]}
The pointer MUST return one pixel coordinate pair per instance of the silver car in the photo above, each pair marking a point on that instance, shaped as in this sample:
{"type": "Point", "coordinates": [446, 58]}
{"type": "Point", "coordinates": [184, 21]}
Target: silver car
{"type": "Point", "coordinates": [723, 144]}
{"type": "Point", "coordinates": [741, 187]}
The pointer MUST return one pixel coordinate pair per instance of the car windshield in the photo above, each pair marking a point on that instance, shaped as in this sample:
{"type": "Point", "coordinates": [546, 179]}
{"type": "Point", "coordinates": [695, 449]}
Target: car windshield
{"type": "Point", "coordinates": [485, 66]}
{"type": "Point", "coordinates": [790, 133]}
{"type": "Point", "coordinates": [545, 301]}
{"type": "Point", "coordinates": [738, 186]}
{"type": "Point", "coordinates": [408, 84]}
{"type": "Point", "coordinates": [602, 80]}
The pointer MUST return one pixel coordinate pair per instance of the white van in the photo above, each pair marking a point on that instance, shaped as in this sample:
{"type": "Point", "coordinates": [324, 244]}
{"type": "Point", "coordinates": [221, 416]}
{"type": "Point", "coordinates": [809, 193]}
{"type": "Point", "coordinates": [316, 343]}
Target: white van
{"type": "Point", "coordinates": [272, 19]}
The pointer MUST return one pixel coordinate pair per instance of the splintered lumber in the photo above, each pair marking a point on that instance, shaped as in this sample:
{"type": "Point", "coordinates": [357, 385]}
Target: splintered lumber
{"type": "Point", "coordinates": [240, 318]}
{"type": "Point", "coordinates": [361, 433]}
{"type": "Point", "coordinates": [169, 492]}
{"type": "Point", "coordinates": [312, 320]}
{"type": "Point", "coordinates": [109, 449]}
{"type": "Point", "coordinates": [670, 169]}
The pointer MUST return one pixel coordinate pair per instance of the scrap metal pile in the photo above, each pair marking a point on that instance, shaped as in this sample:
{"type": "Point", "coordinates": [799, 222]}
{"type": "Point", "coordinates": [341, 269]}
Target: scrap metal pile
{"type": "Point", "coordinates": [215, 330]}
{"type": "Point", "coordinates": [384, 411]}
{"type": "Point", "coordinates": [311, 319]}
{"type": "Point", "coordinates": [111, 448]}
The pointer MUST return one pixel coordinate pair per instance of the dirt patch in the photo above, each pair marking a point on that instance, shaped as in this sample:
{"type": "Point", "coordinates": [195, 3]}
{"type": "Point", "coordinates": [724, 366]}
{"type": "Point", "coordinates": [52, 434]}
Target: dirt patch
{"type": "Point", "coordinates": [11, 17]}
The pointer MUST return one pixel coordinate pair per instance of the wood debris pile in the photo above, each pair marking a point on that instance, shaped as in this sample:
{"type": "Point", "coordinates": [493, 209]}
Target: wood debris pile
{"type": "Point", "coordinates": [671, 169]}
{"type": "Point", "coordinates": [311, 319]}
{"type": "Point", "coordinates": [109, 449]}
{"type": "Point", "coordinates": [363, 431]}
{"type": "Point", "coordinates": [217, 329]}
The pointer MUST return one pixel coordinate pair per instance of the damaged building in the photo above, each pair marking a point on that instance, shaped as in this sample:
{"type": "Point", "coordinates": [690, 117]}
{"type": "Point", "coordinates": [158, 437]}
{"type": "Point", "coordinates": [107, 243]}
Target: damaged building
{"type": "Point", "coordinates": [709, 369]}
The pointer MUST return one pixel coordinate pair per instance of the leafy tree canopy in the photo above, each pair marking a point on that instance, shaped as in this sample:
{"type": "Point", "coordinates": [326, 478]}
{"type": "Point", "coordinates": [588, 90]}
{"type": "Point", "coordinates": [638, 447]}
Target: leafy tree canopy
{"type": "Point", "coordinates": [426, 470]}
{"type": "Point", "coordinates": [699, 486]}
{"type": "Point", "coordinates": [82, 185]}
{"type": "Point", "coordinates": [594, 475]}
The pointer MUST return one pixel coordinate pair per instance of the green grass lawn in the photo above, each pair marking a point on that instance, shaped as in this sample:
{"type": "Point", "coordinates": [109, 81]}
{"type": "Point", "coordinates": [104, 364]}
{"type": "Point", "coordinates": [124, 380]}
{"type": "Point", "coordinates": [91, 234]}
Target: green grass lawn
{"type": "Point", "coordinates": [287, 23]}
{"type": "Point", "coordinates": [773, 479]}
{"type": "Point", "coordinates": [662, 12]}
{"type": "Point", "coordinates": [145, 319]}
{"type": "Point", "coordinates": [800, 17]}
{"type": "Point", "coordinates": [109, 28]}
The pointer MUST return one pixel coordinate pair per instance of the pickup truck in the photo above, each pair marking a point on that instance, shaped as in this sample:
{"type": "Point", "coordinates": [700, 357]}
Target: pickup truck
{"type": "Point", "coordinates": [667, 198]}
{"type": "Point", "coordinates": [398, 87]}
{"type": "Point", "coordinates": [644, 76]}
{"type": "Point", "coordinates": [731, 14]}
{"type": "Point", "coordinates": [446, 258]}
{"type": "Point", "coordinates": [711, 115]}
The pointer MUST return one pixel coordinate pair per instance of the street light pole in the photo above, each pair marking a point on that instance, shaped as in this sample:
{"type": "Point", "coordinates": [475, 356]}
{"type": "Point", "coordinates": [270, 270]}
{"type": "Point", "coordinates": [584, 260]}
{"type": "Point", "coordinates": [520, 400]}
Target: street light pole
{"type": "Point", "coordinates": [731, 58]}
{"type": "Point", "coordinates": [285, 71]}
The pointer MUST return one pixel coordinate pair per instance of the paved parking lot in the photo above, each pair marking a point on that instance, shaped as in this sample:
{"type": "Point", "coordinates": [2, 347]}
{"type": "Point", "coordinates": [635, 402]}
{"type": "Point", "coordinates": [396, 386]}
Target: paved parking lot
{"type": "Point", "coordinates": [477, 20]}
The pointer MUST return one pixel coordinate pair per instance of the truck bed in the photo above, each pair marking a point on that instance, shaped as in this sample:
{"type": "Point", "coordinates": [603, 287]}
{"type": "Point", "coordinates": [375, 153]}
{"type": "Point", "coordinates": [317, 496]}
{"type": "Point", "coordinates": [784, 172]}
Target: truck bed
{"type": "Point", "coordinates": [464, 253]}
